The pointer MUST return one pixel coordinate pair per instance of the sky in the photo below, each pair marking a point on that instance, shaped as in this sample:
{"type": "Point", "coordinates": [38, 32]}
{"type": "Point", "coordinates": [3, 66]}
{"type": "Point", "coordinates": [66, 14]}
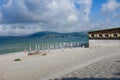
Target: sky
{"type": "Point", "coordinates": [24, 17]}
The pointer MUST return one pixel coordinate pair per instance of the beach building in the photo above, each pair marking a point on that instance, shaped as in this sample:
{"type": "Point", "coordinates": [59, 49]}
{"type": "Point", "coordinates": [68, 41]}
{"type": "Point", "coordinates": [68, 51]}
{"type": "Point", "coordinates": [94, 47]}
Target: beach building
{"type": "Point", "coordinates": [107, 37]}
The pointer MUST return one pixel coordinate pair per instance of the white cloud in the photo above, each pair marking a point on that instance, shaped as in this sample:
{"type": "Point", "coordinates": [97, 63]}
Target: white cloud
{"type": "Point", "coordinates": [111, 5]}
{"type": "Point", "coordinates": [28, 16]}
{"type": "Point", "coordinates": [53, 5]}
{"type": "Point", "coordinates": [110, 13]}
{"type": "Point", "coordinates": [9, 2]}
{"type": "Point", "coordinates": [87, 4]}
{"type": "Point", "coordinates": [72, 18]}
{"type": "Point", "coordinates": [0, 16]}
{"type": "Point", "coordinates": [19, 29]}
{"type": "Point", "coordinates": [22, 17]}
{"type": "Point", "coordinates": [0, 29]}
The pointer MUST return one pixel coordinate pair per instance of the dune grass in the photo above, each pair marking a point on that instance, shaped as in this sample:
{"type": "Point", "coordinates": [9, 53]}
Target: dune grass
{"type": "Point", "coordinates": [44, 54]}
{"type": "Point", "coordinates": [18, 59]}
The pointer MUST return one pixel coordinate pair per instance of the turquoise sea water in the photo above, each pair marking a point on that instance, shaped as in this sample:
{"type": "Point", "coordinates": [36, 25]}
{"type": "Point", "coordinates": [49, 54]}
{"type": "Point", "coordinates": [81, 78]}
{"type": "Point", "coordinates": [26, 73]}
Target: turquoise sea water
{"type": "Point", "coordinates": [9, 45]}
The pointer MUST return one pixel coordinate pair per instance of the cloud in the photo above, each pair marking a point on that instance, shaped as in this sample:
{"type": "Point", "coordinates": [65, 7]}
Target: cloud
{"type": "Point", "coordinates": [0, 29]}
{"type": "Point", "coordinates": [19, 29]}
{"type": "Point", "coordinates": [27, 11]}
{"type": "Point", "coordinates": [111, 5]}
{"type": "Point", "coordinates": [72, 18]}
{"type": "Point", "coordinates": [84, 11]}
{"type": "Point", "coordinates": [111, 13]}
{"type": "Point", "coordinates": [0, 16]}
{"type": "Point", "coordinates": [86, 8]}
{"type": "Point", "coordinates": [44, 15]}
{"type": "Point", "coordinates": [23, 17]}
{"type": "Point", "coordinates": [16, 12]}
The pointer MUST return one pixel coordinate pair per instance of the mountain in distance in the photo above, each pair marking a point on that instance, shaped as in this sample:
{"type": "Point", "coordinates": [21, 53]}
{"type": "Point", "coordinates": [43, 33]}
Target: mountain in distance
{"type": "Point", "coordinates": [47, 34]}
{"type": "Point", "coordinates": [57, 34]}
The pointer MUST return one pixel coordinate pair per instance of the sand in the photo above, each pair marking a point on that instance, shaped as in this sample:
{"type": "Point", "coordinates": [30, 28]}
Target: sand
{"type": "Point", "coordinates": [56, 64]}
{"type": "Point", "coordinates": [106, 69]}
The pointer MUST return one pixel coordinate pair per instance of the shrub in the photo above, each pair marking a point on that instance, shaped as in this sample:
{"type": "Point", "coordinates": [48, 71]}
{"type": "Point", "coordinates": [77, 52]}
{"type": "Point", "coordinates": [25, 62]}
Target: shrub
{"type": "Point", "coordinates": [44, 54]}
{"type": "Point", "coordinates": [17, 59]}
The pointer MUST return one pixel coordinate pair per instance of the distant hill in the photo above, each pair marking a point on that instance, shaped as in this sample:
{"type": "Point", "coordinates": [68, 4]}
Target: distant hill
{"type": "Point", "coordinates": [51, 35]}
{"type": "Point", "coordinates": [56, 34]}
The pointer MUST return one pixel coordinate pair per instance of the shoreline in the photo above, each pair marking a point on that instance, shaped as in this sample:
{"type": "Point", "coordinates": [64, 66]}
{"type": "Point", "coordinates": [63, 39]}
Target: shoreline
{"type": "Point", "coordinates": [47, 51]}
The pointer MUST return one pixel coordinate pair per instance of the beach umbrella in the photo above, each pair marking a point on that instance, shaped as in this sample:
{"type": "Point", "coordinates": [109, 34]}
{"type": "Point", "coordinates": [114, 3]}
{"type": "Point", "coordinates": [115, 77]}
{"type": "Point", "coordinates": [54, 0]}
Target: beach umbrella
{"type": "Point", "coordinates": [59, 46]}
{"type": "Point", "coordinates": [83, 46]}
{"type": "Point", "coordinates": [77, 44]}
{"type": "Point", "coordinates": [73, 44]}
{"type": "Point", "coordinates": [54, 46]}
{"type": "Point", "coordinates": [36, 47]}
{"type": "Point", "coordinates": [30, 48]}
{"type": "Point", "coordinates": [47, 46]}
{"type": "Point", "coordinates": [50, 46]}
{"type": "Point", "coordinates": [70, 44]}
{"type": "Point", "coordinates": [43, 46]}
{"type": "Point", "coordinates": [64, 44]}
{"type": "Point", "coordinates": [40, 46]}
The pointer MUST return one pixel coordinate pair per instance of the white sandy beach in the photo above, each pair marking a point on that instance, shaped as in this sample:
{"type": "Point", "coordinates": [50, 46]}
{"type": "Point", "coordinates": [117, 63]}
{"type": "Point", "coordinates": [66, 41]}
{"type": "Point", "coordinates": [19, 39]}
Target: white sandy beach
{"type": "Point", "coordinates": [53, 65]}
{"type": "Point", "coordinates": [106, 69]}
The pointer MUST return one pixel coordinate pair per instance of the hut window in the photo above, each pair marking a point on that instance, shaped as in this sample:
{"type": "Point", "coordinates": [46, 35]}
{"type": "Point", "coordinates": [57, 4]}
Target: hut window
{"type": "Point", "coordinates": [106, 35]}
{"type": "Point", "coordinates": [115, 35]}
{"type": "Point", "coordinates": [93, 35]}
{"type": "Point", "coordinates": [100, 35]}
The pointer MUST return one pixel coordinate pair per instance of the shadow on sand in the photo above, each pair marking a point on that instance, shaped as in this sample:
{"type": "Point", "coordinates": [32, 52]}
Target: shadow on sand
{"type": "Point", "coordinates": [117, 61]}
{"type": "Point", "coordinates": [88, 78]}
{"type": "Point", "coordinates": [117, 74]}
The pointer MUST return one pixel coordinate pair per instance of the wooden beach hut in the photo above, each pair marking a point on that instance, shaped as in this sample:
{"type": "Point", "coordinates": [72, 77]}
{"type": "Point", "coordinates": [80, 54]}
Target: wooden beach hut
{"type": "Point", "coordinates": [106, 37]}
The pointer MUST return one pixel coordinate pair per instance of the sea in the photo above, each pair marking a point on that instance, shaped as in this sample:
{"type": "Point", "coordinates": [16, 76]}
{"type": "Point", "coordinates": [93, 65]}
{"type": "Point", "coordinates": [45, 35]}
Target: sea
{"type": "Point", "coordinates": [18, 44]}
